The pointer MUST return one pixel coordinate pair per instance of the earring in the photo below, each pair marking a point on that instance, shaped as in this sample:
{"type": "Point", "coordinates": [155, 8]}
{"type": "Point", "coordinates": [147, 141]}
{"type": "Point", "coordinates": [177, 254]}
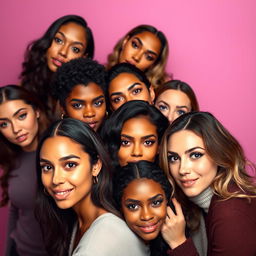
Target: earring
{"type": "Point", "coordinates": [62, 116]}
{"type": "Point", "coordinates": [106, 113]}
{"type": "Point", "coordinates": [95, 179]}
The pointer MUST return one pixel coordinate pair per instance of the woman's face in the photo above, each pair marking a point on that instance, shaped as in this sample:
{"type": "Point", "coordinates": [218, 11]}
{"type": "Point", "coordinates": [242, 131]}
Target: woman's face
{"type": "Point", "coordinates": [126, 87]}
{"type": "Point", "coordinates": [141, 50]}
{"type": "Point", "coordinates": [66, 172]}
{"type": "Point", "coordinates": [87, 103]}
{"type": "Point", "coordinates": [144, 207]}
{"type": "Point", "coordinates": [68, 43]}
{"type": "Point", "coordinates": [19, 124]}
{"type": "Point", "coordinates": [189, 163]}
{"type": "Point", "coordinates": [173, 103]}
{"type": "Point", "coordinates": [139, 141]}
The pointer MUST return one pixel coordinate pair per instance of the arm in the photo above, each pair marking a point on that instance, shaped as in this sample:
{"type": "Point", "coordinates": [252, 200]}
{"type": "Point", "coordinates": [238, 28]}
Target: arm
{"type": "Point", "coordinates": [173, 232]}
{"type": "Point", "coordinates": [12, 220]}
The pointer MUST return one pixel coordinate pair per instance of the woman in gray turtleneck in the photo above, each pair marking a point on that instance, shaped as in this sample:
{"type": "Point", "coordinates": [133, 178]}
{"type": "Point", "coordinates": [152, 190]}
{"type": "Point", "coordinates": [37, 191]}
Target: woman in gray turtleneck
{"type": "Point", "coordinates": [217, 196]}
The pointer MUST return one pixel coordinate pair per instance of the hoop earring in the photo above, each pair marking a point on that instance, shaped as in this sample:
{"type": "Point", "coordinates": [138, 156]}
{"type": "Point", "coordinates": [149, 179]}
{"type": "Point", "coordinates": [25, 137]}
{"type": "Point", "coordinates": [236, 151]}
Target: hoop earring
{"type": "Point", "coordinates": [95, 179]}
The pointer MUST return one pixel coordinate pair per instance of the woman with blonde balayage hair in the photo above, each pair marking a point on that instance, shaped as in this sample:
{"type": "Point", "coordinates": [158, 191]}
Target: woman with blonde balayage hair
{"type": "Point", "coordinates": [145, 47]}
{"type": "Point", "coordinates": [207, 167]}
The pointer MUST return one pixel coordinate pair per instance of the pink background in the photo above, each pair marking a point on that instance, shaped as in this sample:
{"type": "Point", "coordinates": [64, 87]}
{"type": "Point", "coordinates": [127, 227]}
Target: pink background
{"type": "Point", "coordinates": [212, 47]}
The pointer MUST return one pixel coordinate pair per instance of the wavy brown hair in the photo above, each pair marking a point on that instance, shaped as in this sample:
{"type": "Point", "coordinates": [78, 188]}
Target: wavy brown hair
{"type": "Point", "coordinates": [156, 74]}
{"type": "Point", "coordinates": [223, 149]}
{"type": "Point", "coordinates": [9, 152]}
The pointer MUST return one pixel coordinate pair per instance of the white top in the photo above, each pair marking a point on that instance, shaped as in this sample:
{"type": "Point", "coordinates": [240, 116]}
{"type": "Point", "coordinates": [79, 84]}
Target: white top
{"type": "Point", "coordinates": [108, 235]}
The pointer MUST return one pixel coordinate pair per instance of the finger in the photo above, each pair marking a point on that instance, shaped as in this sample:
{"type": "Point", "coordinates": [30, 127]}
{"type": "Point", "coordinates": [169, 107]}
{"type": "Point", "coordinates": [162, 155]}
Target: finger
{"type": "Point", "coordinates": [177, 206]}
{"type": "Point", "coordinates": [170, 212]}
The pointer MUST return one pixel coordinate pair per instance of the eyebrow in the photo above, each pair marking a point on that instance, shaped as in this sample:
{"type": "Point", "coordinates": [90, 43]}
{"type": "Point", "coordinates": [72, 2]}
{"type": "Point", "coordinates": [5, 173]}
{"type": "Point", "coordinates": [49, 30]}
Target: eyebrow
{"type": "Point", "coordinates": [81, 101]}
{"type": "Point", "coordinates": [15, 113]}
{"type": "Point", "coordinates": [128, 89]}
{"type": "Point", "coordinates": [138, 201]}
{"type": "Point", "coordinates": [61, 159]}
{"type": "Point", "coordinates": [144, 137]}
{"type": "Point", "coordinates": [164, 102]}
{"type": "Point", "coordinates": [187, 151]}
{"type": "Point", "coordinates": [149, 51]}
{"type": "Point", "coordinates": [74, 42]}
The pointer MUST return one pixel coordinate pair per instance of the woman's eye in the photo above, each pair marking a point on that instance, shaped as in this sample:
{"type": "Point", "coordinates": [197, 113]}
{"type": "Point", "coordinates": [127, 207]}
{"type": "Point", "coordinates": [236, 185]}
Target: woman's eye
{"type": "Point", "coordinates": [22, 116]}
{"type": "Point", "coordinates": [45, 168]}
{"type": "Point", "coordinates": [157, 202]}
{"type": "Point", "coordinates": [135, 45]}
{"type": "Point", "coordinates": [117, 100]}
{"type": "Point", "coordinates": [162, 107]}
{"type": "Point", "coordinates": [3, 125]}
{"type": "Point", "coordinates": [149, 57]}
{"type": "Point", "coordinates": [125, 143]}
{"type": "Point", "coordinates": [172, 158]}
{"type": "Point", "coordinates": [77, 105]}
{"type": "Point", "coordinates": [149, 142]}
{"type": "Point", "coordinates": [136, 91]}
{"type": "Point", "coordinates": [98, 103]}
{"type": "Point", "coordinates": [196, 155]}
{"type": "Point", "coordinates": [132, 207]}
{"type": "Point", "coordinates": [75, 50]}
{"type": "Point", "coordinates": [57, 40]}
{"type": "Point", "coordinates": [181, 112]}
{"type": "Point", "coordinates": [71, 165]}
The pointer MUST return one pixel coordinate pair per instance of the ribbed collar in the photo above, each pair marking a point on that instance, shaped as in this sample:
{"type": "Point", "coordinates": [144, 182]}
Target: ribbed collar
{"type": "Point", "coordinates": [203, 200]}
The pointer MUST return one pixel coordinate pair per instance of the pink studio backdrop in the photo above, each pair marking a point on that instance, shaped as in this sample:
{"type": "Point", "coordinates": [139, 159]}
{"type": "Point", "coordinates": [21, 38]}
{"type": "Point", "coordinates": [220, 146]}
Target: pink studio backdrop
{"type": "Point", "coordinates": [212, 48]}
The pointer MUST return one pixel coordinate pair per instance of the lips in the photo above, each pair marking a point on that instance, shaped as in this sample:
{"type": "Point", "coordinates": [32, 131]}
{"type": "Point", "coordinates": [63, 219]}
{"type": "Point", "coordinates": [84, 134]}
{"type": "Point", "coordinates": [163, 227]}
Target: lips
{"type": "Point", "coordinates": [149, 228]}
{"type": "Point", "coordinates": [57, 62]}
{"type": "Point", "coordinates": [22, 138]}
{"type": "Point", "coordinates": [188, 182]}
{"type": "Point", "coordinates": [62, 194]}
{"type": "Point", "coordinates": [92, 124]}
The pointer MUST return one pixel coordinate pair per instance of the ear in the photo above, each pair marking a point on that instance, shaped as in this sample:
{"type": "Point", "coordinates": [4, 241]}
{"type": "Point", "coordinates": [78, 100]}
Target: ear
{"type": "Point", "coordinates": [96, 168]}
{"type": "Point", "coordinates": [152, 94]}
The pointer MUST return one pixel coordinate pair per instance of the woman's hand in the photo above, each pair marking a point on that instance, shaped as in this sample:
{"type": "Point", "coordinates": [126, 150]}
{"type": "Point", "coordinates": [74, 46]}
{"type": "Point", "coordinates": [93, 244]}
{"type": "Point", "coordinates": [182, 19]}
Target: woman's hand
{"type": "Point", "coordinates": [173, 230]}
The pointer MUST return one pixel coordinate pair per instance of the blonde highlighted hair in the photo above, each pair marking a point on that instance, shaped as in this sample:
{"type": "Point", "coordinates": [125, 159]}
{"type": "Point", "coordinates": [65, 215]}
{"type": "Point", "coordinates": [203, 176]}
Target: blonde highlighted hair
{"type": "Point", "coordinates": [156, 73]}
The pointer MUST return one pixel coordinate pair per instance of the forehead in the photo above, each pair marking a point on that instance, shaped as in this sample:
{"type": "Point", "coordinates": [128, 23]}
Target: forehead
{"type": "Point", "coordinates": [174, 97]}
{"type": "Point", "coordinates": [142, 189]}
{"type": "Point", "coordinates": [56, 147]}
{"type": "Point", "coordinates": [8, 108]}
{"type": "Point", "coordinates": [86, 92]}
{"type": "Point", "coordinates": [139, 127]}
{"type": "Point", "coordinates": [123, 81]}
{"type": "Point", "coordinates": [184, 140]}
{"type": "Point", "coordinates": [149, 41]}
{"type": "Point", "coordinates": [73, 32]}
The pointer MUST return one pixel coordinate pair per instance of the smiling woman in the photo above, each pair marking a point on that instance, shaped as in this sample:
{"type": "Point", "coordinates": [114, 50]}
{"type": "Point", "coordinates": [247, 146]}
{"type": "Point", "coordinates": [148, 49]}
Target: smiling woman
{"type": "Point", "coordinates": [67, 38]}
{"type": "Point", "coordinates": [75, 186]}
{"type": "Point", "coordinates": [21, 123]}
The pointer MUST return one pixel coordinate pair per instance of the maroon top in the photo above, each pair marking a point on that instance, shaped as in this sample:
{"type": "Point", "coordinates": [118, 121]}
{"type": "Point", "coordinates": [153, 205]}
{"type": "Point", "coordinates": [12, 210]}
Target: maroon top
{"type": "Point", "coordinates": [230, 227]}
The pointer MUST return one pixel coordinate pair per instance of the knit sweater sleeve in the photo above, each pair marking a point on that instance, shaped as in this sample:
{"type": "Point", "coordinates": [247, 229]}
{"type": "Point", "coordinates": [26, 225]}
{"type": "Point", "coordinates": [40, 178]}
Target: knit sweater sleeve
{"type": "Point", "coordinates": [187, 248]}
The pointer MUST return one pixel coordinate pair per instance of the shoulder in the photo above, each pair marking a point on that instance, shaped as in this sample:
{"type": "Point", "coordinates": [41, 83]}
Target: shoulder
{"type": "Point", "coordinates": [109, 236]}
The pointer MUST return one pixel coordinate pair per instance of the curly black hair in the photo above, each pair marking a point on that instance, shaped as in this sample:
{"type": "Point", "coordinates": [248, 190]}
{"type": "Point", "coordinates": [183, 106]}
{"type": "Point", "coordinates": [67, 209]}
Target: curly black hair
{"type": "Point", "coordinates": [77, 71]}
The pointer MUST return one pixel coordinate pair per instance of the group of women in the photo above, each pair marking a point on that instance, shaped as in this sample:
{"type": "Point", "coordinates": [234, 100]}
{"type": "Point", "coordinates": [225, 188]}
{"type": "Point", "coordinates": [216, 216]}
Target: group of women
{"type": "Point", "coordinates": [117, 159]}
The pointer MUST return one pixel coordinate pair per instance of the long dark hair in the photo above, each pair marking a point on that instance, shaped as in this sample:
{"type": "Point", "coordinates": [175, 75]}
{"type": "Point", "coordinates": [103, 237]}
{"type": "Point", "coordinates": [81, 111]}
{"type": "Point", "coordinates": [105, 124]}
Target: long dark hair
{"type": "Point", "coordinates": [9, 152]}
{"type": "Point", "coordinates": [35, 75]}
{"type": "Point", "coordinates": [61, 221]}
{"type": "Point", "coordinates": [143, 170]}
{"type": "Point", "coordinates": [112, 128]}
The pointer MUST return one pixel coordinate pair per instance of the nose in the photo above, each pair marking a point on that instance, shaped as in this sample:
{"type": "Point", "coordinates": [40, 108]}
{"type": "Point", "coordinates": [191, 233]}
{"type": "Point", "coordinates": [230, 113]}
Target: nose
{"type": "Point", "coordinates": [88, 111]}
{"type": "Point", "coordinates": [185, 167]}
{"type": "Point", "coordinates": [137, 56]}
{"type": "Point", "coordinates": [58, 177]}
{"type": "Point", "coordinates": [171, 116]}
{"type": "Point", "coordinates": [146, 214]}
{"type": "Point", "coordinates": [15, 128]}
{"type": "Point", "coordinates": [64, 50]}
{"type": "Point", "coordinates": [136, 150]}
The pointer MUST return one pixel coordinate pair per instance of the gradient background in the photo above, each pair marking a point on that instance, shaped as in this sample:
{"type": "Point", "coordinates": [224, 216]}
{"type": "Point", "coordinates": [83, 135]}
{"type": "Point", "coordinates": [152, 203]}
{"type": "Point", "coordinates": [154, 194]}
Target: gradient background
{"type": "Point", "coordinates": [212, 48]}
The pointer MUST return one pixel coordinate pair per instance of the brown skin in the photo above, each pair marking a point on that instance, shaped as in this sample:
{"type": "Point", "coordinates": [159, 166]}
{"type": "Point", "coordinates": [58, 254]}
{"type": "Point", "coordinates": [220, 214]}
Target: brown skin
{"type": "Point", "coordinates": [144, 208]}
{"type": "Point", "coordinates": [141, 50]}
{"type": "Point", "coordinates": [69, 43]}
{"type": "Point", "coordinates": [126, 87]}
{"type": "Point", "coordinates": [139, 141]}
{"type": "Point", "coordinates": [87, 103]}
